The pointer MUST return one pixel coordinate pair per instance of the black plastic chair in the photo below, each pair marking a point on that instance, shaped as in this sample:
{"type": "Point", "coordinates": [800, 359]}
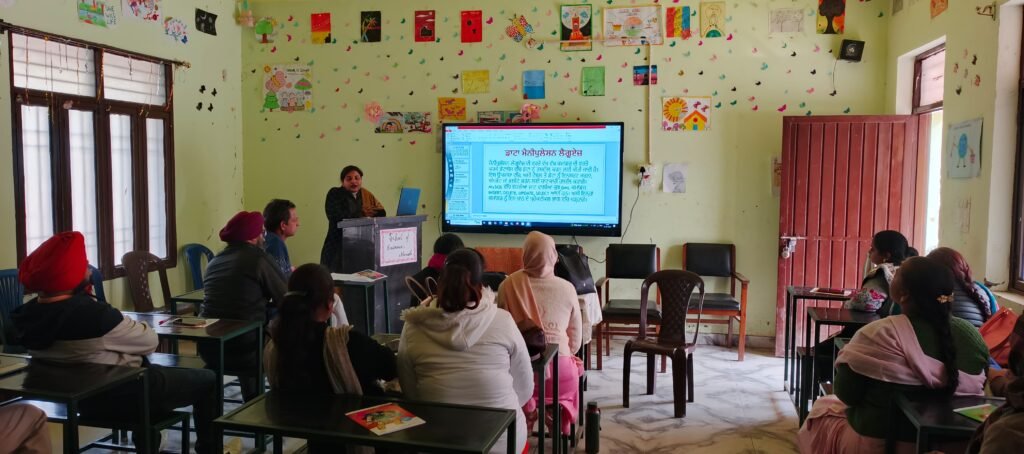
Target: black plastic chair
{"type": "Point", "coordinates": [719, 260]}
{"type": "Point", "coordinates": [12, 295]}
{"type": "Point", "coordinates": [624, 261]}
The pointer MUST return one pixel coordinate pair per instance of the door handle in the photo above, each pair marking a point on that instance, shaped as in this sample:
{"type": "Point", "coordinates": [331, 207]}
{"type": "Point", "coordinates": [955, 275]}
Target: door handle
{"type": "Point", "coordinates": [789, 245]}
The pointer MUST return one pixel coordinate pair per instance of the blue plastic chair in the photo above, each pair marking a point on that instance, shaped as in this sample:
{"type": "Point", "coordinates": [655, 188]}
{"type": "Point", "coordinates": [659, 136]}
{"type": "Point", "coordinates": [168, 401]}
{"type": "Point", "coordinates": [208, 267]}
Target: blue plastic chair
{"type": "Point", "coordinates": [96, 279]}
{"type": "Point", "coordinates": [194, 253]}
{"type": "Point", "coordinates": [12, 295]}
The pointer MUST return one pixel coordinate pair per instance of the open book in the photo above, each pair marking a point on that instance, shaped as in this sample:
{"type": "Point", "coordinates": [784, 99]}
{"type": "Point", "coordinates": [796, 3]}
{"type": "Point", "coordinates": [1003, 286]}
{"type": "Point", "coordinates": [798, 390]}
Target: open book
{"type": "Point", "coordinates": [385, 418]}
{"type": "Point", "coordinates": [978, 412]}
{"type": "Point", "coordinates": [362, 276]}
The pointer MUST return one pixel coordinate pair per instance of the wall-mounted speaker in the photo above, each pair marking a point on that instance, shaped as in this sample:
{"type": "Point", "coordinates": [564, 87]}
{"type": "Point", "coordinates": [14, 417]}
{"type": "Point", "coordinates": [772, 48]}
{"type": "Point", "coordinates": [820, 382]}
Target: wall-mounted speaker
{"type": "Point", "coordinates": [851, 50]}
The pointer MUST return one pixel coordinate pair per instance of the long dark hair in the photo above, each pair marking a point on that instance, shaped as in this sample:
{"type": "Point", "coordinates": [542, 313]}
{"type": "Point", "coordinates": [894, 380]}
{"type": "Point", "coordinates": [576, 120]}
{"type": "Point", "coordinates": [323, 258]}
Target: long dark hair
{"type": "Point", "coordinates": [460, 284]}
{"type": "Point", "coordinates": [893, 243]}
{"type": "Point", "coordinates": [962, 273]}
{"type": "Point", "coordinates": [310, 289]}
{"type": "Point", "coordinates": [930, 285]}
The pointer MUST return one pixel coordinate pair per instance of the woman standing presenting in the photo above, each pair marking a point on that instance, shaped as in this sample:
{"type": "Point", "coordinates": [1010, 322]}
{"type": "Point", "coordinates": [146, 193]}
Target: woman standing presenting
{"type": "Point", "coordinates": [347, 201]}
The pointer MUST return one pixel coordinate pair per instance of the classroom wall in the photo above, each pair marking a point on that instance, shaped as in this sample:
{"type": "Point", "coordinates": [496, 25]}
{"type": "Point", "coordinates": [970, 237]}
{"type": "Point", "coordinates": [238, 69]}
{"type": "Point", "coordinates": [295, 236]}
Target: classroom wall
{"type": "Point", "coordinates": [729, 197]}
{"type": "Point", "coordinates": [982, 70]}
{"type": "Point", "coordinates": [208, 148]}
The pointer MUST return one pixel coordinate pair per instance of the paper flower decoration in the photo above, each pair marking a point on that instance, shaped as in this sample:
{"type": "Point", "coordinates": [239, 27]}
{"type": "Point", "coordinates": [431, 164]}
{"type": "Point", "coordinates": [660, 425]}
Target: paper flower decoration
{"type": "Point", "coordinates": [530, 112]}
{"type": "Point", "coordinates": [373, 112]}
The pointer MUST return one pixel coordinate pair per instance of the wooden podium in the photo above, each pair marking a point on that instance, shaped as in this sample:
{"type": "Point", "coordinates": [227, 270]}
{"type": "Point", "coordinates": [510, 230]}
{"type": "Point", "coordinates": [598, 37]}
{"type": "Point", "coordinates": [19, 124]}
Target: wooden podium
{"type": "Point", "coordinates": [389, 245]}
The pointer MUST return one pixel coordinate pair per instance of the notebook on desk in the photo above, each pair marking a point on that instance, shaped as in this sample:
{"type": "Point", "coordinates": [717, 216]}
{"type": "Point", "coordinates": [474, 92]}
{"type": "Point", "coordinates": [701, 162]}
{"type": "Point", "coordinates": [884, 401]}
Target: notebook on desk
{"type": "Point", "coordinates": [407, 202]}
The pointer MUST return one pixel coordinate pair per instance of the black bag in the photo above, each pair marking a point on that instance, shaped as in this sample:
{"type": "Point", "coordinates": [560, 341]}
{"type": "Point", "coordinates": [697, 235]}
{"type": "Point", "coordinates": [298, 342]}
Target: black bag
{"type": "Point", "coordinates": [533, 336]}
{"type": "Point", "coordinates": [572, 266]}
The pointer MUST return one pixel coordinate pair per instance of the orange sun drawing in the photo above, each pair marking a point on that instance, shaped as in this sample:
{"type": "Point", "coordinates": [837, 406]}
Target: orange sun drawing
{"type": "Point", "coordinates": [674, 109]}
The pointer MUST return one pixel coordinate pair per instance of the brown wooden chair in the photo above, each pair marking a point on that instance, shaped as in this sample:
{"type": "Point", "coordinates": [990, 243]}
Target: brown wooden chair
{"type": "Point", "coordinates": [624, 261]}
{"type": "Point", "coordinates": [719, 260]}
{"type": "Point", "coordinates": [676, 288]}
{"type": "Point", "coordinates": [137, 266]}
{"type": "Point", "coordinates": [506, 260]}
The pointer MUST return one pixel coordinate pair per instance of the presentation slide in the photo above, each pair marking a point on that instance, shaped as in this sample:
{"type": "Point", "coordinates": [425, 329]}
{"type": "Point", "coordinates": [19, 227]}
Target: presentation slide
{"type": "Point", "coordinates": [542, 178]}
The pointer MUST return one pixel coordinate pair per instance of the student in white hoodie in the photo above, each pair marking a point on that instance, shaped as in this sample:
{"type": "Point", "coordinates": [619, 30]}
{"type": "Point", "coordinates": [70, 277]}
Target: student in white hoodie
{"type": "Point", "coordinates": [465, 350]}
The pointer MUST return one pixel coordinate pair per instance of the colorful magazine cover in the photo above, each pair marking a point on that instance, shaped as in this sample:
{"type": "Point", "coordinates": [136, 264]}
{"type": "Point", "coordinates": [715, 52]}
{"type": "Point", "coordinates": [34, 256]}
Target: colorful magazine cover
{"type": "Point", "coordinates": [385, 418]}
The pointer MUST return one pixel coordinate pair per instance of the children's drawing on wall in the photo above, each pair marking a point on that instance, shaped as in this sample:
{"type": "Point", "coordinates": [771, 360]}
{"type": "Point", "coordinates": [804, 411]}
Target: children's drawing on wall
{"type": "Point", "coordinates": [832, 17]}
{"type": "Point", "coordinates": [592, 81]}
{"type": "Point", "coordinates": [645, 75]}
{"type": "Point", "coordinates": [499, 116]}
{"type": "Point", "coordinates": [451, 109]}
{"type": "Point", "coordinates": [141, 9]}
{"type": "Point", "coordinates": [712, 18]}
{"type": "Point", "coordinates": [632, 26]}
{"type": "Point", "coordinates": [390, 123]}
{"type": "Point", "coordinates": [577, 27]}
{"type": "Point", "coordinates": [95, 13]}
{"type": "Point", "coordinates": [520, 30]}
{"type": "Point", "coordinates": [369, 26]}
{"type": "Point", "coordinates": [786, 20]}
{"type": "Point", "coordinates": [679, 113]}
{"type": "Point", "coordinates": [963, 145]}
{"type": "Point", "coordinates": [533, 84]}
{"type": "Point", "coordinates": [674, 178]}
{"type": "Point", "coordinates": [287, 88]}
{"type": "Point", "coordinates": [939, 7]}
{"type": "Point", "coordinates": [472, 26]}
{"type": "Point", "coordinates": [417, 122]}
{"type": "Point", "coordinates": [424, 22]}
{"type": "Point", "coordinates": [243, 14]}
{"type": "Point", "coordinates": [320, 28]}
{"type": "Point", "coordinates": [265, 29]}
{"type": "Point", "coordinates": [476, 81]}
{"type": "Point", "coordinates": [176, 30]}
{"type": "Point", "coordinates": [206, 22]}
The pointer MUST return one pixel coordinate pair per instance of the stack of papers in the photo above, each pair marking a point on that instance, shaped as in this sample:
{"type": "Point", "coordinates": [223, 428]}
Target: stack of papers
{"type": "Point", "coordinates": [362, 276]}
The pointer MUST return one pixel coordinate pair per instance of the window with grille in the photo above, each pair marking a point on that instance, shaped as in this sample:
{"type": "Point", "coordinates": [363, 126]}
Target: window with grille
{"type": "Point", "coordinates": [93, 148]}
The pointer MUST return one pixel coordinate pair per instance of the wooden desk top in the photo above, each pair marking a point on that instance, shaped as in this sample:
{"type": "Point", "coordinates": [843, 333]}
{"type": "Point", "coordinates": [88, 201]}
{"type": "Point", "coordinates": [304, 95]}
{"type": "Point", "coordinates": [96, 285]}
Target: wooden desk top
{"type": "Point", "coordinates": [223, 329]}
{"type": "Point", "coordinates": [195, 296]}
{"type": "Point", "coordinates": [839, 316]}
{"type": "Point", "coordinates": [448, 428]}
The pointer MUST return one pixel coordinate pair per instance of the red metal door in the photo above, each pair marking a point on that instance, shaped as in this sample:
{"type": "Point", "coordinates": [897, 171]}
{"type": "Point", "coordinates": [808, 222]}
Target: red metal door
{"type": "Point", "coordinates": [843, 179]}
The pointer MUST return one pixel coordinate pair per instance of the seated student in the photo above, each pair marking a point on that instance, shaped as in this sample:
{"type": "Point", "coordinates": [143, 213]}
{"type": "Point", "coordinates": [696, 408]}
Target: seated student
{"type": "Point", "coordinates": [971, 301]}
{"type": "Point", "coordinates": [1003, 431]}
{"type": "Point", "coordinates": [242, 283]}
{"type": "Point", "coordinates": [306, 355]}
{"type": "Point", "coordinates": [444, 245]}
{"type": "Point", "coordinates": [24, 429]}
{"type": "Point", "coordinates": [536, 295]}
{"type": "Point", "coordinates": [924, 351]}
{"type": "Point", "coordinates": [65, 323]}
{"type": "Point", "coordinates": [889, 249]}
{"type": "Point", "coordinates": [466, 350]}
{"type": "Point", "coordinates": [280, 222]}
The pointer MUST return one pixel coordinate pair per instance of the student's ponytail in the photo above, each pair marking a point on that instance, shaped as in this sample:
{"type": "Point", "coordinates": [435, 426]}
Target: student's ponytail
{"type": "Point", "coordinates": [460, 284]}
{"type": "Point", "coordinates": [930, 285]}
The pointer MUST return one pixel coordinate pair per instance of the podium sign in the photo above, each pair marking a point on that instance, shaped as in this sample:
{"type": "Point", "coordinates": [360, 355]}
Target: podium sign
{"type": "Point", "coordinates": [398, 246]}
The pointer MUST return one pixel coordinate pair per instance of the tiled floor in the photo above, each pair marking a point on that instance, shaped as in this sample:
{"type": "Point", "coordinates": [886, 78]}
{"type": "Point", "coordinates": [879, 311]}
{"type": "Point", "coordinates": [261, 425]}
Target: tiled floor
{"type": "Point", "coordinates": [740, 407]}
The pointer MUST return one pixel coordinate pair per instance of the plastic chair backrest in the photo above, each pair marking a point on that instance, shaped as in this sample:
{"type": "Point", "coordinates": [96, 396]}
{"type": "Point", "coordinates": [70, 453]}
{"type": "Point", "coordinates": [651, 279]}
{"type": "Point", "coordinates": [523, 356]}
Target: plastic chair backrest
{"type": "Point", "coordinates": [507, 260]}
{"type": "Point", "coordinates": [12, 295]}
{"type": "Point", "coordinates": [137, 266]}
{"type": "Point", "coordinates": [194, 253]}
{"type": "Point", "coordinates": [96, 279]}
{"type": "Point", "coordinates": [676, 288]}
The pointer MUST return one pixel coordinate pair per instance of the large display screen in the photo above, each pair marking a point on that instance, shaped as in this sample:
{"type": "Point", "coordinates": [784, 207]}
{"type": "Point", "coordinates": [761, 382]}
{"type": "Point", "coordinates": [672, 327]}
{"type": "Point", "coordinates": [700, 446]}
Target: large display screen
{"type": "Point", "coordinates": [558, 178]}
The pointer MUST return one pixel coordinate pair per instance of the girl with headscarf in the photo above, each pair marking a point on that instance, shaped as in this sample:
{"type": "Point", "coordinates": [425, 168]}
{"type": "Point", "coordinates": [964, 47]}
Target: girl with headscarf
{"type": "Point", "coordinates": [535, 295]}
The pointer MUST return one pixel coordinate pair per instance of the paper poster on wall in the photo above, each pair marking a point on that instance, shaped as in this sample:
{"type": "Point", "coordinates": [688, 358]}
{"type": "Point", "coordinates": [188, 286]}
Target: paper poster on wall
{"type": "Point", "coordinates": [148, 10]}
{"type": "Point", "coordinates": [682, 113]}
{"type": "Point", "coordinates": [472, 26]}
{"type": "Point", "coordinates": [592, 81]}
{"type": "Point", "coordinates": [786, 20]}
{"type": "Point", "coordinates": [417, 122]}
{"type": "Point", "coordinates": [96, 13]}
{"type": "Point", "coordinates": [320, 28]}
{"type": "Point", "coordinates": [265, 30]}
{"type": "Point", "coordinates": [390, 123]}
{"type": "Point", "coordinates": [831, 17]}
{"type": "Point", "coordinates": [424, 22]}
{"type": "Point", "coordinates": [206, 22]}
{"type": "Point", "coordinates": [398, 246]}
{"type": "Point", "coordinates": [176, 30]}
{"type": "Point", "coordinates": [712, 19]}
{"type": "Point", "coordinates": [369, 26]}
{"type": "Point", "coordinates": [287, 88]}
{"type": "Point", "coordinates": [499, 116]}
{"type": "Point", "coordinates": [577, 27]}
{"type": "Point", "coordinates": [476, 81]}
{"type": "Point", "coordinates": [451, 108]}
{"type": "Point", "coordinates": [673, 22]}
{"type": "Point", "coordinates": [632, 26]}
{"type": "Point", "coordinates": [520, 31]}
{"type": "Point", "coordinates": [645, 75]}
{"type": "Point", "coordinates": [674, 178]}
{"type": "Point", "coordinates": [963, 157]}
{"type": "Point", "coordinates": [938, 7]}
{"type": "Point", "coordinates": [533, 84]}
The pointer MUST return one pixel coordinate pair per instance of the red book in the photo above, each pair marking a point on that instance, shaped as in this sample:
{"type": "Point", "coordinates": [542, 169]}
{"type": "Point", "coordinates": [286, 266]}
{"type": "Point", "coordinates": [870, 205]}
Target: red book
{"type": "Point", "coordinates": [385, 418]}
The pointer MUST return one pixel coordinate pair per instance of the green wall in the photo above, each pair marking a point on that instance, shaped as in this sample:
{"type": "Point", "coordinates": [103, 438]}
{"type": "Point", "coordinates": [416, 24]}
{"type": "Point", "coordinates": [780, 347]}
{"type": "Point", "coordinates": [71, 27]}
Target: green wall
{"type": "Point", "coordinates": [208, 147]}
{"type": "Point", "coordinates": [298, 155]}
